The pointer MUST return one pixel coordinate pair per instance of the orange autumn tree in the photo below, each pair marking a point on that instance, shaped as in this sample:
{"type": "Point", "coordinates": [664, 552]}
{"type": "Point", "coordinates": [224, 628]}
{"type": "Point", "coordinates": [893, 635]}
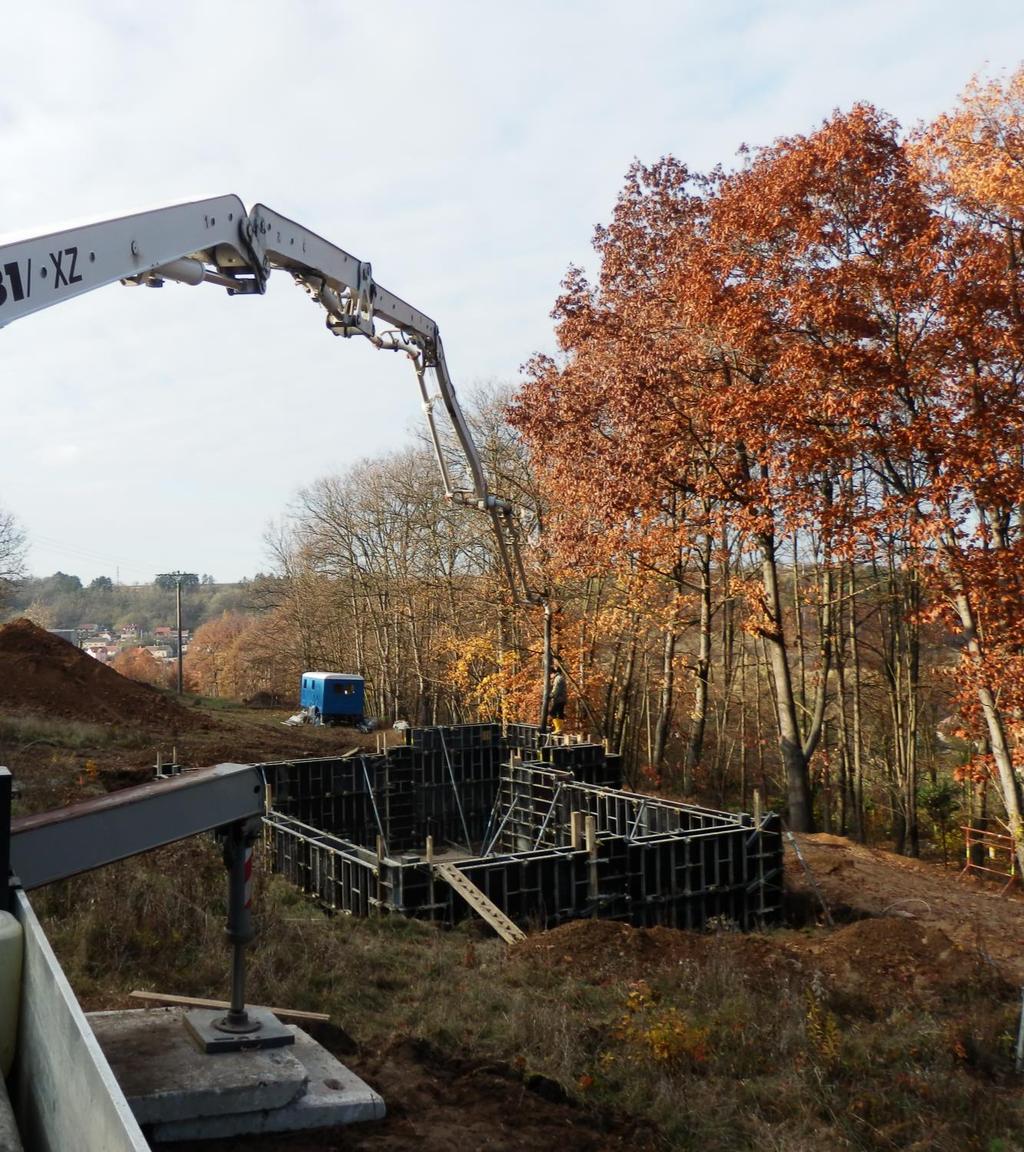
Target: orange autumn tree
{"type": "Point", "coordinates": [212, 667]}
{"type": "Point", "coordinates": [891, 295]}
{"type": "Point", "coordinates": [817, 260]}
{"type": "Point", "coordinates": [657, 425]}
{"type": "Point", "coordinates": [625, 487]}
{"type": "Point", "coordinates": [814, 345]}
{"type": "Point", "coordinates": [973, 161]}
{"type": "Point", "coordinates": [138, 664]}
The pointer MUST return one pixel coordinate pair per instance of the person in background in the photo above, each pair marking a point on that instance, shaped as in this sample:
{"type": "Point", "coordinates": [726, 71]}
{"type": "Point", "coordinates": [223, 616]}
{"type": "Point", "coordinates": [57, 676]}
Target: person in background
{"type": "Point", "coordinates": [559, 695]}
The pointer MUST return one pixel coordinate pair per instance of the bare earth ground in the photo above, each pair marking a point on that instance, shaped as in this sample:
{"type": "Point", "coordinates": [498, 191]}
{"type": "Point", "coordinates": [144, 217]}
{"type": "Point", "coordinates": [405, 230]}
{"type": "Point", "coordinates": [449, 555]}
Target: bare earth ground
{"type": "Point", "coordinates": [869, 882]}
{"type": "Point", "coordinates": [437, 1103]}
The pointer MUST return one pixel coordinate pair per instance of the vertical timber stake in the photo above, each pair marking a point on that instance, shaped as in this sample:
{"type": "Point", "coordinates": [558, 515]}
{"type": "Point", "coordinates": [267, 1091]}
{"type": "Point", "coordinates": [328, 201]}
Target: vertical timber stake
{"type": "Point", "coordinates": [591, 835]}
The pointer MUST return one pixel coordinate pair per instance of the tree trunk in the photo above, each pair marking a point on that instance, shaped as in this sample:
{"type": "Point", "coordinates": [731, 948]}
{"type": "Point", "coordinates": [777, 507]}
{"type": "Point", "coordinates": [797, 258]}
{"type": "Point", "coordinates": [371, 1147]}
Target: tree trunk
{"type": "Point", "coordinates": [702, 672]}
{"type": "Point", "coordinates": [794, 761]}
{"type": "Point", "coordinates": [1009, 784]}
{"type": "Point", "coordinates": [545, 692]}
{"type": "Point", "coordinates": [857, 718]}
{"type": "Point", "coordinates": [665, 700]}
{"type": "Point", "coordinates": [625, 696]}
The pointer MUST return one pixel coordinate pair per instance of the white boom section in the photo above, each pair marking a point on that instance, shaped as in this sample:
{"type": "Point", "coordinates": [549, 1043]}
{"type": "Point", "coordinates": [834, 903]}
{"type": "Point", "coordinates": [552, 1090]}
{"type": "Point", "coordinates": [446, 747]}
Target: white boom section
{"type": "Point", "coordinates": [39, 271]}
{"type": "Point", "coordinates": [217, 241]}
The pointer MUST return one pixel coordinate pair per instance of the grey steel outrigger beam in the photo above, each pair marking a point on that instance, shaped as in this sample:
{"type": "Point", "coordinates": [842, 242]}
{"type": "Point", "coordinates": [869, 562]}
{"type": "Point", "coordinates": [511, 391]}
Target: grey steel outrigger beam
{"type": "Point", "coordinates": [229, 799]}
{"type": "Point", "coordinates": [217, 241]}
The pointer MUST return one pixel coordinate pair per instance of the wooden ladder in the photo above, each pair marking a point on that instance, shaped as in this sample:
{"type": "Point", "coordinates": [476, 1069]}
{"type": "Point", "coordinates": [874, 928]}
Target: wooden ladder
{"type": "Point", "coordinates": [481, 904]}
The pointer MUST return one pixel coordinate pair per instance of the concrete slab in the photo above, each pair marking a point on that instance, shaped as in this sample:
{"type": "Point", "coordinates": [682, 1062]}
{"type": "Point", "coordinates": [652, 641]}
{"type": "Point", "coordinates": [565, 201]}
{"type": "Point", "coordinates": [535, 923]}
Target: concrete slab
{"type": "Point", "coordinates": [334, 1096]}
{"type": "Point", "coordinates": [166, 1078]}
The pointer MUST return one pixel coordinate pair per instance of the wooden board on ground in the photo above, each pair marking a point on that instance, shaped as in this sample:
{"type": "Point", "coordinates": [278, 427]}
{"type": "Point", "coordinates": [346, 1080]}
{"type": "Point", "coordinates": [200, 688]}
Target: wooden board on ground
{"type": "Point", "coordinates": [198, 1002]}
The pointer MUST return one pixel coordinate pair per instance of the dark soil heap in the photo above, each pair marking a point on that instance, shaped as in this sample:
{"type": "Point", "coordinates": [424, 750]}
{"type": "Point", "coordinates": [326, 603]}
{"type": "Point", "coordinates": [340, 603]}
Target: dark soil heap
{"type": "Point", "coordinates": [42, 672]}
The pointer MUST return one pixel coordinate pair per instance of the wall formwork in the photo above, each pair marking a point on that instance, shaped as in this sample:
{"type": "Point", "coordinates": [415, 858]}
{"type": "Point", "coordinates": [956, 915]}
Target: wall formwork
{"type": "Point", "coordinates": [540, 825]}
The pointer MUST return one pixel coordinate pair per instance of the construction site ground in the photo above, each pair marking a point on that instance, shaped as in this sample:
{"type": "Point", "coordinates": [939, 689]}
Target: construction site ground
{"type": "Point", "coordinates": [891, 1029]}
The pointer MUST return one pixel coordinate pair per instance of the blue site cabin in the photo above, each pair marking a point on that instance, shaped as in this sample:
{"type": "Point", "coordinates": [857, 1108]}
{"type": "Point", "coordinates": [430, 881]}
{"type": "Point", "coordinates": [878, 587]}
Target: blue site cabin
{"type": "Point", "coordinates": [337, 696]}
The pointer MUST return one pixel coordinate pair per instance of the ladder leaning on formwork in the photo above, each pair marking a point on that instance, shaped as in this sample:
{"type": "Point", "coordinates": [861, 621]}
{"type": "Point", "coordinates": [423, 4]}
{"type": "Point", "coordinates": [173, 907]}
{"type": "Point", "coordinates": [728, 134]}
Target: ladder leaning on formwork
{"type": "Point", "coordinates": [510, 932]}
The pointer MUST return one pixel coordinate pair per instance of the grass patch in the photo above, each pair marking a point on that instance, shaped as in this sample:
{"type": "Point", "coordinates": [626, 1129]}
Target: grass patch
{"type": "Point", "coordinates": [209, 703]}
{"type": "Point", "coordinates": [715, 1053]}
{"type": "Point", "coordinates": [18, 732]}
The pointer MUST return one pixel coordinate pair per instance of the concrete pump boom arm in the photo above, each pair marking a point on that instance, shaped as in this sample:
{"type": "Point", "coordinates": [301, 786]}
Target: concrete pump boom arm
{"type": "Point", "coordinates": [217, 241]}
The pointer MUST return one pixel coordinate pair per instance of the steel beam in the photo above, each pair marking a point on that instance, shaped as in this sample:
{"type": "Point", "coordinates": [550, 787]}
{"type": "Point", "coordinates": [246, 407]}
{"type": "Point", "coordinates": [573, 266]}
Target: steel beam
{"type": "Point", "coordinates": [54, 845]}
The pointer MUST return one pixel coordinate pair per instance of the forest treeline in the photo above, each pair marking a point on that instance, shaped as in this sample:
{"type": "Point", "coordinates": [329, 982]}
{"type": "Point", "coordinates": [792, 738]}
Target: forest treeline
{"type": "Point", "coordinates": [64, 601]}
{"type": "Point", "coordinates": [772, 482]}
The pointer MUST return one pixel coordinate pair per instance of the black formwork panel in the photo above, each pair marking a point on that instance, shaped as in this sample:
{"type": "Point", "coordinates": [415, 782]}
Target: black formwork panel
{"type": "Point", "coordinates": [458, 769]}
{"type": "Point", "coordinates": [325, 867]}
{"type": "Point", "coordinates": [589, 763]}
{"type": "Point", "coordinates": [396, 792]}
{"type": "Point", "coordinates": [531, 813]}
{"type": "Point", "coordinates": [533, 889]}
{"type": "Point", "coordinates": [404, 796]}
{"type": "Point", "coordinates": [686, 882]}
{"type": "Point", "coordinates": [331, 794]}
{"type": "Point", "coordinates": [656, 861]}
{"type": "Point", "coordinates": [632, 814]}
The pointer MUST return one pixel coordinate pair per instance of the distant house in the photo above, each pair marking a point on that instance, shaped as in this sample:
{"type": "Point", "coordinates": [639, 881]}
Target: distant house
{"type": "Point", "coordinates": [159, 651]}
{"type": "Point", "coordinates": [163, 630]}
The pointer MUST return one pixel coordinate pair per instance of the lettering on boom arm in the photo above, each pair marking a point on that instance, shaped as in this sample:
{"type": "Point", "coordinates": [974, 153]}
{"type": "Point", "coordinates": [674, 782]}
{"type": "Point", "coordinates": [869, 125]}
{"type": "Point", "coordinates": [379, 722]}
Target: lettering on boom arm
{"type": "Point", "coordinates": [57, 260]}
{"type": "Point", "coordinates": [16, 278]}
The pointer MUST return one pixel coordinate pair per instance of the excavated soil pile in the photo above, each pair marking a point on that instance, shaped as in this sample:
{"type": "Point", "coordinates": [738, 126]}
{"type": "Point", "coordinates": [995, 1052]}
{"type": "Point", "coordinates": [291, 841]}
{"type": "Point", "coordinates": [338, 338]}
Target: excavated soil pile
{"type": "Point", "coordinates": [42, 672]}
{"type": "Point", "coordinates": [602, 951]}
{"type": "Point", "coordinates": [912, 904]}
{"type": "Point", "coordinates": [871, 962]}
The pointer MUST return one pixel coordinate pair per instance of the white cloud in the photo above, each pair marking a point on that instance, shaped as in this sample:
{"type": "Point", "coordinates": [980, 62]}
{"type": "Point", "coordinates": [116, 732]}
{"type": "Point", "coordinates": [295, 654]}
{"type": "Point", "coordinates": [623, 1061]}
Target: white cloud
{"type": "Point", "coordinates": [466, 149]}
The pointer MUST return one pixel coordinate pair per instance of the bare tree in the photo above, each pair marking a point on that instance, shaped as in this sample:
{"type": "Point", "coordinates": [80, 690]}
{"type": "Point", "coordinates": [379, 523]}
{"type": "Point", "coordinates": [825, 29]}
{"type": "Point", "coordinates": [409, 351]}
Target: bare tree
{"type": "Point", "coordinates": [12, 553]}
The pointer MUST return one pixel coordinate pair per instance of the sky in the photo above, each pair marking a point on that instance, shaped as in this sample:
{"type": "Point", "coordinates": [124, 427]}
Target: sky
{"type": "Point", "coordinates": [466, 148]}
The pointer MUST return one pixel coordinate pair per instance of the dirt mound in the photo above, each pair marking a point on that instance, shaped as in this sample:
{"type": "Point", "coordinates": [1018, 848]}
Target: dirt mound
{"type": "Point", "coordinates": [600, 951]}
{"type": "Point", "coordinates": [889, 960]}
{"type": "Point", "coordinates": [42, 672]}
{"type": "Point", "coordinates": [913, 905]}
{"type": "Point", "coordinates": [880, 960]}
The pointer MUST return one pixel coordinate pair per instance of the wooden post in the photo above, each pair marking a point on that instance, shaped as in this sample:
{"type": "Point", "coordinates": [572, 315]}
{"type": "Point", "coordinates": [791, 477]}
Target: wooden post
{"type": "Point", "coordinates": [591, 832]}
{"type": "Point", "coordinates": [757, 807]}
{"type": "Point", "coordinates": [430, 874]}
{"type": "Point", "coordinates": [576, 830]}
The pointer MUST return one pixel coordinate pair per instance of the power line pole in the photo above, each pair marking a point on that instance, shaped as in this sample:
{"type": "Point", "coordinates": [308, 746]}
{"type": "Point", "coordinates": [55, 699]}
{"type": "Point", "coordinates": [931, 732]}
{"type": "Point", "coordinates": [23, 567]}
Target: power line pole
{"type": "Point", "coordinates": [177, 586]}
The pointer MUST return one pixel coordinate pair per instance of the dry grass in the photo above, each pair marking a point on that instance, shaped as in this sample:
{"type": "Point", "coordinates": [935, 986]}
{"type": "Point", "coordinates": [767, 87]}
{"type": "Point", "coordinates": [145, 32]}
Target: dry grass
{"type": "Point", "coordinates": [19, 731]}
{"type": "Point", "coordinates": [716, 1053]}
